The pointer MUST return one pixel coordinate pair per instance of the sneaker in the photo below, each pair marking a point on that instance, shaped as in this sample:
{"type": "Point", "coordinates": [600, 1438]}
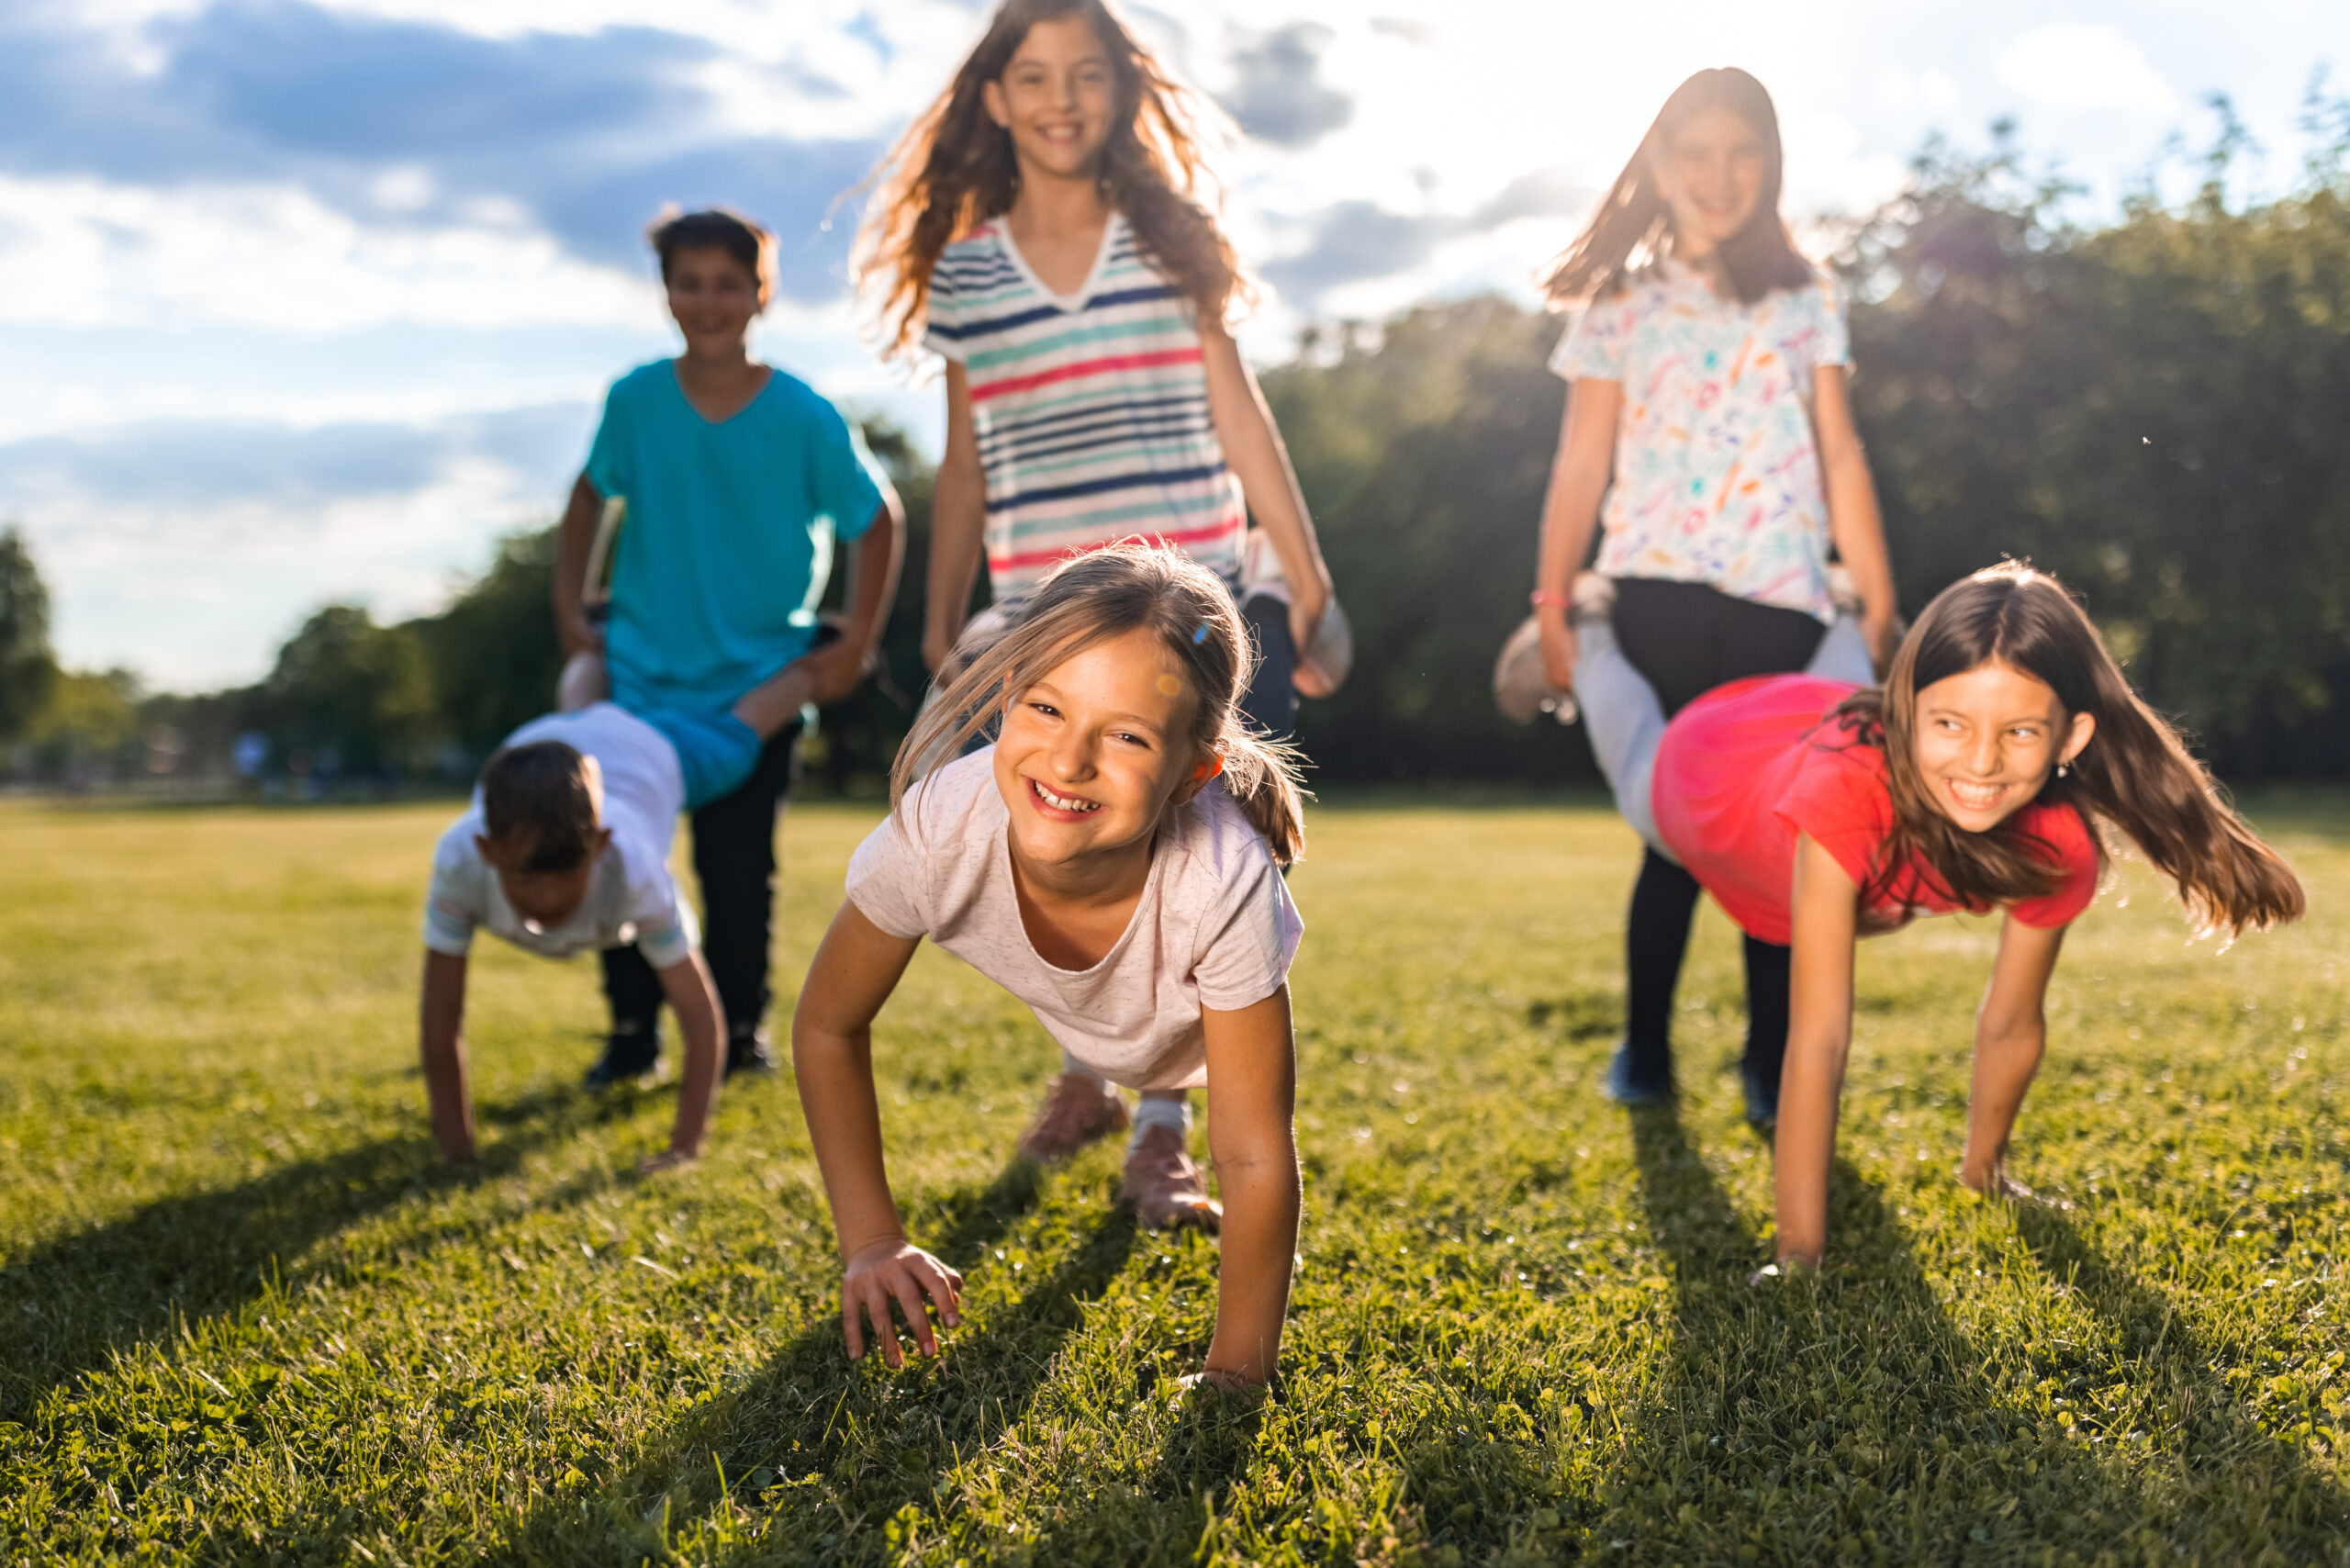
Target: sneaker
{"type": "Point", "coordinates": [1078, 1111]}
{"type": "Point", "coordinates": [628, 1054]}
{"type": "Point", "coordinates": [1628, 1084]}
{"type": "Point", "coordinates": [1165, 1186]}
{"type": "Point", "coordinates": [1762, 1098]}
{"type": "Point", "coordinates": [749, 1050]}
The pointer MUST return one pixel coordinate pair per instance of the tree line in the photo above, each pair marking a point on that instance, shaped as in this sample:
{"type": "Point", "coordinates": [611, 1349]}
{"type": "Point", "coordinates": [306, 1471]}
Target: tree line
{"type": "Point", "coordinates": [2152, 407]}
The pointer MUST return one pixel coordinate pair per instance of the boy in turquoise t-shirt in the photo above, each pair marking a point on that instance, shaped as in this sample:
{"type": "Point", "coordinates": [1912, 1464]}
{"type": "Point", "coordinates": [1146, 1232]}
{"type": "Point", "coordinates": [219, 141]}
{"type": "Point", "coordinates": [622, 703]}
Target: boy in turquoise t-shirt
{"type": "Point", "coordinates": [739, 480]}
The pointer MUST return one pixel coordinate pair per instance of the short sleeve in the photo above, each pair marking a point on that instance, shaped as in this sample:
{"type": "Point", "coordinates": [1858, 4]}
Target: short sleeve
{"type": "Point", "coordinates": [452, 904]}
{"type": "Point", "coordinates": [1249, 941]}
{"type": "Point", "coordinates": [609, 468]}
{"type": "Point", "coordinates": [2074, 852]}
{"type": "Point", "coordinates": [665, 933]}
{"type": "Point", "coordinates": [1839, 801]}
{"type": "Point", "coordinates": [943, 317]}
{"type": "Point", "coordinates": [1591, 349]}
{"type": "Point", "coordinates": [885, 880]}
{"type": "Point", "coordinates": [846, 481]}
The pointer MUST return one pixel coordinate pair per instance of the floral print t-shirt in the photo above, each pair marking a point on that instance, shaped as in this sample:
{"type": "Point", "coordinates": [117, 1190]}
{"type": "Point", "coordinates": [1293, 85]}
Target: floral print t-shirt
{"type": "Point", "coordinates": [1716, 475]}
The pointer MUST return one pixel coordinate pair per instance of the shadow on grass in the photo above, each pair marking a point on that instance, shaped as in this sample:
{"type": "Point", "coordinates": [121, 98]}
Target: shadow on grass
{"type": "Point", "coordinates": [814, 1457]}
{"type": "Point", "coordinates": [1841, 1416]}
{"type": "Point", "coordinates": [78, 1301]}
{"type": "Point", "coordinates": [2218, 1453]}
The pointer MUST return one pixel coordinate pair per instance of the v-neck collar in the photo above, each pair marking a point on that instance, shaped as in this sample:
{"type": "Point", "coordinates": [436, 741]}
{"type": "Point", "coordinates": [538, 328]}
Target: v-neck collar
{"type": "Point", "coordinates": [677, 382]}
{"type": "Point", "coordinates": [1068, 304]}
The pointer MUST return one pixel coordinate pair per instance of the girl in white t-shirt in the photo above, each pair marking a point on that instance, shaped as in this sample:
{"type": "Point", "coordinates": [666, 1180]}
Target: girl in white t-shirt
{"type": "Point", "coordinates": [1710, 441]}
{"type": "Point", "coordinates": [1113, 859]}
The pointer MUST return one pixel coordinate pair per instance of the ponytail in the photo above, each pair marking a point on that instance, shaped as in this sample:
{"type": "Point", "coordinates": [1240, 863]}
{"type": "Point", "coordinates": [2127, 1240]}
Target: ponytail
{"type": "Point", "coordinates": [1103, 595]}
{"type": "Point", "coordinates": [2135, 776]}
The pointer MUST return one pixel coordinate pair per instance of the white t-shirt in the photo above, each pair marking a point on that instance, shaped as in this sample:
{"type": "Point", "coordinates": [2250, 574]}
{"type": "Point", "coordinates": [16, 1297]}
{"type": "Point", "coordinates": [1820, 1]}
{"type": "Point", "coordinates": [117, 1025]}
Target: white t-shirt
{"type": "Point", "coordinates": [1215, 926]}
{"type": "Point", "coordinates": [631, 899]}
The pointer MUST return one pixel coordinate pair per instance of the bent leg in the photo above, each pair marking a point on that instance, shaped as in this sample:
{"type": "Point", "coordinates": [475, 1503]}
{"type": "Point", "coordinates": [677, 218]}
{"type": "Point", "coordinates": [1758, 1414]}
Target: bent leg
{"type": "Point", "coordinates": [1624, 720]}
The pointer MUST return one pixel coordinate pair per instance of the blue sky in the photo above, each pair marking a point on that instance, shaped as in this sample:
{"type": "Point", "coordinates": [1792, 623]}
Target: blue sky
{"type": "Point", "coordinates": [303, 302]}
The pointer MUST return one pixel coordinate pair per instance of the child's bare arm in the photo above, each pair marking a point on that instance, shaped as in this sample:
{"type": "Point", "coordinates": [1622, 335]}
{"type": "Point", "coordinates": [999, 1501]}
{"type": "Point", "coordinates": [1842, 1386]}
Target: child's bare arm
{"type": "Point", "coordinates": [958, 521]}
{"type": "Point", "coordinates": [444, 1050]}
{"type": "Point", "coordinates": [2010, 1032]}
{"type": "Point", "coordinates": [1820, 1033]}
{"type": "Point", "coordinates": [832, 1055]}
{"type": "Point", "coordinates": [1854, 521]}
{"type": "Point", "coordinates": [1252, 1094]}
{"type": "Point", "coordinates": [701, 1021]}
{"type": "Point", "coordinates": [1253, 447]}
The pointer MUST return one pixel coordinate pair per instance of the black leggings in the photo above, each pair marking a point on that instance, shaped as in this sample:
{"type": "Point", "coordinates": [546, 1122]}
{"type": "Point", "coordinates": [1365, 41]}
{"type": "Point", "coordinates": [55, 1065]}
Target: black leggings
{"type": "Point", "coordinates": [1270, 703]}
{"type": "Point", "coordinates": [735, 861]}
{"type": "Point", "coordinates": [1686, 639]}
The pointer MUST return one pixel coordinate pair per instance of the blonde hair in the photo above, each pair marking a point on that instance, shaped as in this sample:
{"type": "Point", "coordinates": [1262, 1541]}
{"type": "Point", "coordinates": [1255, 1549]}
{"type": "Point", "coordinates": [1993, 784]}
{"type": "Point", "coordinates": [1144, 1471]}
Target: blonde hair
{"type": "Point", "coordinates": [1103, 595]}
{"type": "Point", "coordinates": [954, 169]}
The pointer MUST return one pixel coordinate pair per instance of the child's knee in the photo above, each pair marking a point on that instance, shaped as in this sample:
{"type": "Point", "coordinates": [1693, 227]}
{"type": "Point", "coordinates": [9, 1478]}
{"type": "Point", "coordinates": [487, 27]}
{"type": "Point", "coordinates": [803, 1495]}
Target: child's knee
{"type": "Point", "coordinates": [582, 683]}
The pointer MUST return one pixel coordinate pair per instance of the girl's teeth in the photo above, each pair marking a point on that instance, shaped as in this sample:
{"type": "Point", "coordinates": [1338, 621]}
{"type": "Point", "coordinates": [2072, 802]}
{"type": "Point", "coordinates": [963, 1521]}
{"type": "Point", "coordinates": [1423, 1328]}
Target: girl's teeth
{"type": "Point", "coordinates": [1058, 803]}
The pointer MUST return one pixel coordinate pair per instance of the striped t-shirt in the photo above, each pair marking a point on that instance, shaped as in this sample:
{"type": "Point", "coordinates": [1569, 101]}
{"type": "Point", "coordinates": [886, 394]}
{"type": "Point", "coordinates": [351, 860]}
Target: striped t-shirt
{"type": "Point", "coordinates": [1091, 410]}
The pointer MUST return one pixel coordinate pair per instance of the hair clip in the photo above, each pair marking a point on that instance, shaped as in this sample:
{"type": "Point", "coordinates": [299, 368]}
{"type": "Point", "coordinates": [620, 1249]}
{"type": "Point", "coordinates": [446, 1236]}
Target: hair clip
{"type": "Point", "coordinates": [1202, 634]}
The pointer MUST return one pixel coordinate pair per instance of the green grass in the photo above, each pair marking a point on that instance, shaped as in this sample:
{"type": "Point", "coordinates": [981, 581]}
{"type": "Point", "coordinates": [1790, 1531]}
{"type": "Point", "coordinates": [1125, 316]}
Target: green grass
{"type": "Point", "coordinates": [243, 1316]}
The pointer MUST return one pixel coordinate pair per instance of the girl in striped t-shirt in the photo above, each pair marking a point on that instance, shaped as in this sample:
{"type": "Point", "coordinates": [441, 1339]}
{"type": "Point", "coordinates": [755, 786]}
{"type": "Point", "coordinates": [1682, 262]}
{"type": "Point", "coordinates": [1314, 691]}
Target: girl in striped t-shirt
{"type": "Point", "coordinates": [1039, 229]}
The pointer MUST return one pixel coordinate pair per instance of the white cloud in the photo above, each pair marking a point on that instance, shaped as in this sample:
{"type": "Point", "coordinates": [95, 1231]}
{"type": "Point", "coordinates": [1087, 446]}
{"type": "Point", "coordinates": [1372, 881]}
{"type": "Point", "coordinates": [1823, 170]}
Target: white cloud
{"type": "Point", "coordinates": [2074, 65]}
{"type": "Point", "coordinates": [86, 252]}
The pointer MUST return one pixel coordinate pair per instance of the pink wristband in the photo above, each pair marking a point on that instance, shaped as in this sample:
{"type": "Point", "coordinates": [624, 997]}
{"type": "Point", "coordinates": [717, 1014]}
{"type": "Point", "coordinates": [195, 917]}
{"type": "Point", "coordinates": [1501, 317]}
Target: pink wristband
{"type": "Point", "coordinates": [1540, 597]}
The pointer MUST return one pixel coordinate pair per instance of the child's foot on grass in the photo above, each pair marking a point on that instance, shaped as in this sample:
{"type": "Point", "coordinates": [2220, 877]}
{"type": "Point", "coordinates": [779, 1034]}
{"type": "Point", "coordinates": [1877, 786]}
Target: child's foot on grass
{"type": "Point", "coordinates": [1633, 1079]}
{"type": "Point", "coordinates": [1166, 1187]}
{"type": "Point", "coordinates": [628, 1054]}
{"type": "Point", "coordinates": [1078, 1111]}
{"type": "Point", "coordinates": [1786, 1271]}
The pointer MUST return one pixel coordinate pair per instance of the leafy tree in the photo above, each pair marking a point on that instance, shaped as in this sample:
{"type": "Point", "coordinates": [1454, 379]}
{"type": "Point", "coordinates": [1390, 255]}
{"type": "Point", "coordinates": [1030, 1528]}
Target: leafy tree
{"type": "Point", "coordinates": [362, 691]}
{"type": "Point", "coordinates": [493, 654]}
{"type": "Point", "coordinates": [28, 669]}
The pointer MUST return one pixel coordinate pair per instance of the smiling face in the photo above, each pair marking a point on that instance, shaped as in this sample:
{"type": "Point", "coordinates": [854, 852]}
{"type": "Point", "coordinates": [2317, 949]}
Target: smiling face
{"type": "Point", "coordinates": [712, 297]}
{"type": "Point", "coordinates": [1095, 750]}
{"type": "Point", "coordinates": [1711, 170]}
{"type": "Point", "coordinates": [1056, 98]}
{"type": "Point", "coordinates": [1987, 740]}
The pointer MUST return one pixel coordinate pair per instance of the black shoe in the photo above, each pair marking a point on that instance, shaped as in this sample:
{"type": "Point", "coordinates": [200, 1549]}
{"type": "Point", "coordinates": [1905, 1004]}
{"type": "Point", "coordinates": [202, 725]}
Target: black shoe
{"type": "Point", "coordinates": [1762, 1098]}
{"type": "Point", "coordinates": [1634, 1083]}
{"type": "Point", "coordinates": [749, 1051]}
{"type": "Point", "coordinates": [628, 1054]}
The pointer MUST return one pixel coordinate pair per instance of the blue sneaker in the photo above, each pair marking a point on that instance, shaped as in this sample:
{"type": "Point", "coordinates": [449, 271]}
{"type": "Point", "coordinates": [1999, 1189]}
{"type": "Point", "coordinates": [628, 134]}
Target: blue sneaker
{"type": "Point", "coordinates": [1761, 1099]}
{"type": "Point", "coordinates": [1628, 1085]}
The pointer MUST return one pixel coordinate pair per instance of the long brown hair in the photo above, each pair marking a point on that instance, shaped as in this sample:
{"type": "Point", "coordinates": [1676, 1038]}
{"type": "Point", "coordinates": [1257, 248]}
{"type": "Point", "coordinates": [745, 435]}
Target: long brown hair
{"type": "Point", "coordinates": [1634, 224]}
{"type": "Point", "coordinates": [954, 169]}
{"type": "Point", "coordinates": [1103, 595]}
{"type": "Point", "coordinates": [2135, 776]}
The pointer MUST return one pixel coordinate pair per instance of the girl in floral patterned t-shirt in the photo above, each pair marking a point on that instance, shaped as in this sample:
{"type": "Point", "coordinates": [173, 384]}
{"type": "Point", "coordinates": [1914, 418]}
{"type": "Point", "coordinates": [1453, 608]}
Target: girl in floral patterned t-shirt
{"type": "Point", "coordinates": [1709, 439]}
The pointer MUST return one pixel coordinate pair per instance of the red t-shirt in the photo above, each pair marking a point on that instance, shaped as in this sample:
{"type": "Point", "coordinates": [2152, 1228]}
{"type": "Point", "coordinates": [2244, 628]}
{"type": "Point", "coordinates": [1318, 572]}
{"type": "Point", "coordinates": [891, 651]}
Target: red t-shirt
{"type": "Point", "coordinates": [1745, 768]}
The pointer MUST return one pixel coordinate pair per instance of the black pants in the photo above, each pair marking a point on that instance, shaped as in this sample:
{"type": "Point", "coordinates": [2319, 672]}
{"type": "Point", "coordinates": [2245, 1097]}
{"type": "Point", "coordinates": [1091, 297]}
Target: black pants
{"type": "Point", "coordinates": [1271, 703]}
{"type": "Point", "coordinates": [735, 861]}
{"type": "Point", "coordinates": [1686, 639]}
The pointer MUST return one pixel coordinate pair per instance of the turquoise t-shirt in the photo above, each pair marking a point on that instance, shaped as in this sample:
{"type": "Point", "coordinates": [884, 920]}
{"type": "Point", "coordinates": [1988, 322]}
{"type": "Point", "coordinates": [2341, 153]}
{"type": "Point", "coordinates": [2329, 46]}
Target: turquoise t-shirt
{"type": "Point", "coordinates": [728, 539]}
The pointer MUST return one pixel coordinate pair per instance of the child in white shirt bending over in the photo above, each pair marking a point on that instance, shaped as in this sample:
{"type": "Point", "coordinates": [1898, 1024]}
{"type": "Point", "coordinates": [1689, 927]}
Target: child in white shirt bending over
{"type": "Point", "coordinates": [566, 849]}
{"type": "Point", "coordinates": [1113, 860]}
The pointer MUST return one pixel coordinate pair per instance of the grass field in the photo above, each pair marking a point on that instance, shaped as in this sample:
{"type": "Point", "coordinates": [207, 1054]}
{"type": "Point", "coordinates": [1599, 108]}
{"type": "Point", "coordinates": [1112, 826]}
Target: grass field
{"type": "Point", "coordinates": [244, 1317]}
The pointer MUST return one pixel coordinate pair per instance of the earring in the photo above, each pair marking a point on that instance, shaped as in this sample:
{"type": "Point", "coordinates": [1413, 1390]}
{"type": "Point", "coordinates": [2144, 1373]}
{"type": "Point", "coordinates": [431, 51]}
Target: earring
{"type": "Point", "coordinates": [2063, 769]}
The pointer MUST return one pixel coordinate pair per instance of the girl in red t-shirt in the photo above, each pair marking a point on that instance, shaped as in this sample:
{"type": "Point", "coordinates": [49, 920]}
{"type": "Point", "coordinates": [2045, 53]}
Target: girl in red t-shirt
{"type": "Point", "coordinates": [1817, 812]}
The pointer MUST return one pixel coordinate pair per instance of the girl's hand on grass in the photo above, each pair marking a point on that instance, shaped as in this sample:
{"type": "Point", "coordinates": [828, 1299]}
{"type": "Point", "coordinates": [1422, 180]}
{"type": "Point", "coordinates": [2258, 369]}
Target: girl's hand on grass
{"type": "Point", "coordinates": [668, 1160]}
{"type": "Point", "coordinates": [897, 1271]}
{"type": "Point", "coordinates": [1217, 1383]}
{"type": "Point", "coordinates": [1998, 1187]}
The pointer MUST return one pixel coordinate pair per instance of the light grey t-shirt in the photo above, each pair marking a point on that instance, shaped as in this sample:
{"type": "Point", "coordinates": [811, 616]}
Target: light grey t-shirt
{"type": "Point", "coordinates": [631, 899]}
{"type": "Point", "coordinates": [1215, 926]}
